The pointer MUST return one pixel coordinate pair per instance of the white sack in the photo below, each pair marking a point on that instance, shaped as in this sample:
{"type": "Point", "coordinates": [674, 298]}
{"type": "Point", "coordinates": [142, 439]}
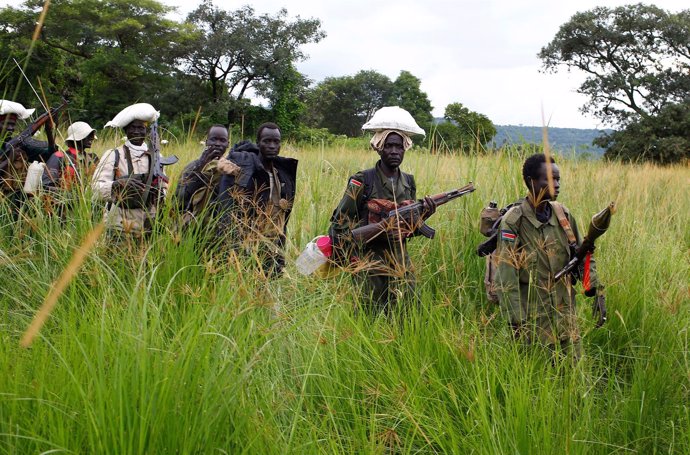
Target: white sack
{"type": "Point", "coordinates": [140, 111]}
{"type": "Point", "coordinates": [10, 107]}
{"type": "Point", "coordinates": [393, 118]}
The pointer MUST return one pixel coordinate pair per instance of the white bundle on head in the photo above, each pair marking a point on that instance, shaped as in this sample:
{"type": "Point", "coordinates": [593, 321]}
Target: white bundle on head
{"type": "Point", "coordinates": [10, 107]}
{"type": "Point", "coordinates": [140, 111]}
{"type": "Point", "coordinates": [393, 118]}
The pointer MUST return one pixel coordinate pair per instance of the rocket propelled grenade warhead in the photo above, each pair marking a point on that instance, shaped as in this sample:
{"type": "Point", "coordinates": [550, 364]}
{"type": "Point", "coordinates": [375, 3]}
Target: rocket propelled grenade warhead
{"type": "Point", "coordinates": [600, 222]}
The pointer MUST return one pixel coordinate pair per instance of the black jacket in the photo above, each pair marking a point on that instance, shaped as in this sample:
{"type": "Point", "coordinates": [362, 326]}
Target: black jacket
{"type": "Point", "coordinates": [253, 184]}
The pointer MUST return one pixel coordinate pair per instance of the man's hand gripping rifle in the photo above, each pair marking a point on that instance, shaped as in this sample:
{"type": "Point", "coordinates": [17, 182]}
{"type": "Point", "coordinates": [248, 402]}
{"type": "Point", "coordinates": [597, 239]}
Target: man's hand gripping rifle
{"type": "Point", "coordinates": [408, 218]}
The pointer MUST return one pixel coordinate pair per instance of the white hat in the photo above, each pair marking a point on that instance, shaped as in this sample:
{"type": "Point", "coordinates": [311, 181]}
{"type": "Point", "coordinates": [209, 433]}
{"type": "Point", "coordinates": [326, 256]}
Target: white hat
{"type": "Point", "coordinates": [10, 107]}
{"type": "Point", "coordinates": [393, 118]}
{"type": "Point", "coordinates": [78, 131]}
{"type": "Point", "coordinates": [140, 111]}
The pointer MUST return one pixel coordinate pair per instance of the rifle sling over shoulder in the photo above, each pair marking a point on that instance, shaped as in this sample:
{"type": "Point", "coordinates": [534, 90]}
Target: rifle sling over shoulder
{"type": "Point", "coordinates": [563, 221]}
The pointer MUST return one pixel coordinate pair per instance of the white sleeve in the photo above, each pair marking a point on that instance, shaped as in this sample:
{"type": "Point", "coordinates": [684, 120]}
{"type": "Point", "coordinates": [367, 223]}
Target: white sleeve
{"type": "Point", "coordinates": [102, 182]}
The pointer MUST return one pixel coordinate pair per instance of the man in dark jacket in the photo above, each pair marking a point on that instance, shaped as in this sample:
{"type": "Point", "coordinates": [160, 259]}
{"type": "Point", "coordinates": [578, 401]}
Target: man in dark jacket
{"type": "Point", "coordinates": [198, 185]}
{"type": "Point", "coordinates": [256, 199]}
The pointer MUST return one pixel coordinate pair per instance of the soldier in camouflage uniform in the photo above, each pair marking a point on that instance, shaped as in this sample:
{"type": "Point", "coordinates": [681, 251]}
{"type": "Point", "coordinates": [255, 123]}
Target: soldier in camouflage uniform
{"type": "Point", "coordinates": [384, 268]}
{"type": "Point", "coordinates": [533, 245]}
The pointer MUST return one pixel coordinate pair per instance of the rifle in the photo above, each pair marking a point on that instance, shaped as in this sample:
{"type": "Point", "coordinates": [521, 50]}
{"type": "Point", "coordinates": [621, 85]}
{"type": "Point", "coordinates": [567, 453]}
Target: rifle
{"type": "Point", "coordinates": [156, 175]}
{"type": "Point", "coordinates": [599, 224]}
{"type": "Point", "coordinates": [408, 214]}
{"type": "Point", "coordinates": [23, 137]}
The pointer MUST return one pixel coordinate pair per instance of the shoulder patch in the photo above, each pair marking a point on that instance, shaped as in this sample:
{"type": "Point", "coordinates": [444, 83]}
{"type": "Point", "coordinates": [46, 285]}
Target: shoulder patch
{"type": "Point", "coordinates": [355, 182]}
{"type": "Point", "coordinates": [508, 235]}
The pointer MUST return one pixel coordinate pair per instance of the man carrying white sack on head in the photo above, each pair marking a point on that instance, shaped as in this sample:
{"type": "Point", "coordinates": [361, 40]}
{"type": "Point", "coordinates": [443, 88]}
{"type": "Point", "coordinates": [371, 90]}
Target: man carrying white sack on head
{"type": "Point", "coordinates": [122, 175]}
{"type": "Point", "coordinates": [383, 266]}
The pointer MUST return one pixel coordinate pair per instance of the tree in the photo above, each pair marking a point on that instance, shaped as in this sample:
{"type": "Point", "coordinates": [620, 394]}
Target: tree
{"type": "Point", "coordinates": [234, 51]}
{"type": "Point", "coordinates": [637, 58]}
{"type": "Point", "coordinates": [286, 94]}
{"type": "Point", "coordinates": [103, 55]}
{"type": "Point", "coordinates": [637, 61]}
{"type": "Point", "coordinates": [343, 104]}
{"type": "Point", "coordinates": [664, 138]}
{"type": "Point", "coordinates": [407, 94]}
{"type": "Point", "coordinates": [463, 129]}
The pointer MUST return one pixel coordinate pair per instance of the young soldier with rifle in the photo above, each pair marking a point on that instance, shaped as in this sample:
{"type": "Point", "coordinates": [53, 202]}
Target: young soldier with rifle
{"type": "Point", "coordinates": [535, 241]}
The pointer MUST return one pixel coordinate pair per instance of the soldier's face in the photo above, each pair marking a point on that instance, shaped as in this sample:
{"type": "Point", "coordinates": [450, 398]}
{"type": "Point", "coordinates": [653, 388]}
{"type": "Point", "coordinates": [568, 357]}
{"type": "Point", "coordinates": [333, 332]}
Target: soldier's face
{"type": "Point", "coordinates": [540, 185]}
{"type": "Point", "coordinates": [217, 138]}
{"type": "Point", "coordinates": [8, 123]}
{"type": "Point", "coordinates": [87, 141]}
{"type": "Point", "coordinates": [269, 143]}
{"type": "Point", "coordinates": [393, 151]}
{"type": "Point", "coordinates": [136, 132]}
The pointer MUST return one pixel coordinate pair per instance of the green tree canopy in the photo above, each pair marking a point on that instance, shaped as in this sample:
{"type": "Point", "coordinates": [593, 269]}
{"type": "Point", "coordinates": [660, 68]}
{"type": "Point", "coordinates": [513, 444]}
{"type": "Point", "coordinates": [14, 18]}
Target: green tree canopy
{"type": "Point", "coordinates": [408, 94]}
{"type": "Point", "coordinates": [636, 57]}
{"type": "Point", "coordinates": [663, 138]}
{"type": "Point", "coordinates": [637, 61]}
{"type": "Point", "coordinates": [234, 51]}
{"type": "Point", "coordinates": [343, 104]}
{"type": "Point", "coordinates": [103, 55]}
{"type": "Point", "coordinates": [463, 129]}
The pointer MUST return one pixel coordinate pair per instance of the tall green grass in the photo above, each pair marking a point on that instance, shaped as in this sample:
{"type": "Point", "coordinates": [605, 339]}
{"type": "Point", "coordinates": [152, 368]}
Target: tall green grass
{"type": "Point", "coordinates": [162, 349]}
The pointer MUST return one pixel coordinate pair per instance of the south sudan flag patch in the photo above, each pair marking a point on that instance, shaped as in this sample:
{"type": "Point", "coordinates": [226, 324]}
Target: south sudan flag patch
{"type": "Point", "coordinates": [356, 183]}
{"type": "Point", "coordinates": [508, 236]}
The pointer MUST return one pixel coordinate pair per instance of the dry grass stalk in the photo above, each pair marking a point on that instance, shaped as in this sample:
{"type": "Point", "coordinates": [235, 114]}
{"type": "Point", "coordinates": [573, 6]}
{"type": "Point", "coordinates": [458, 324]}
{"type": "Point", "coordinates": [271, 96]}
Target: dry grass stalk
{"type": "Point", "coordinates": [41, 19]}
{"type": "Point", "coordinates": [61, 284]}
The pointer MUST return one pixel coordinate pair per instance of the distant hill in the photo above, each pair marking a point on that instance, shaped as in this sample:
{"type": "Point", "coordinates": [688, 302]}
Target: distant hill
{"type": "Point", "coordinates": [565, 140]}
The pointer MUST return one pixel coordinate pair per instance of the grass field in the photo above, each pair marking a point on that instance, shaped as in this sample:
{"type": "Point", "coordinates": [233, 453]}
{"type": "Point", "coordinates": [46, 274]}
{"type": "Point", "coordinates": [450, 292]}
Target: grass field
{"type": "Point", "coordinates": [162, 351]}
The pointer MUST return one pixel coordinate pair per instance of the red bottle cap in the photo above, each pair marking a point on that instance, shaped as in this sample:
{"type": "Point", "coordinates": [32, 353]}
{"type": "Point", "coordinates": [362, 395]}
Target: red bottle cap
{"type": "Point", "coordinates": [325, 244]}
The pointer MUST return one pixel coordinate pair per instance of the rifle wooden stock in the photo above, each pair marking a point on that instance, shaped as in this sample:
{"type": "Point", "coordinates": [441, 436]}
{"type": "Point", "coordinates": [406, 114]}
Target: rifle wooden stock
{"type": "Point", "coordinates": [407, 219]}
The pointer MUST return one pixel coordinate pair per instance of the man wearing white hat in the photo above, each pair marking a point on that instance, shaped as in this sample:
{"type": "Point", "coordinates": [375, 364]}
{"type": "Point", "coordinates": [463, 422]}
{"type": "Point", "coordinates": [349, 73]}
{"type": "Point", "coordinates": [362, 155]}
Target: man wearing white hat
{"type": "Point", "coordinates": [13, 162]}
{"type": "Point", "coordinates": [62, 168]}
{"type": "Point", "coordinates": [384, 268]}
{"type": "Point", "coordinates": [118, 181]}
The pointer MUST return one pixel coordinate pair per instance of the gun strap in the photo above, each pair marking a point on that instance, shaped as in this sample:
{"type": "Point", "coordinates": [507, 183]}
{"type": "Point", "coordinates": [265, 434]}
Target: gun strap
{"type": "Point", "coordinates": [128, 158]}
{"type": "Point", "coordinates": [563, 221]}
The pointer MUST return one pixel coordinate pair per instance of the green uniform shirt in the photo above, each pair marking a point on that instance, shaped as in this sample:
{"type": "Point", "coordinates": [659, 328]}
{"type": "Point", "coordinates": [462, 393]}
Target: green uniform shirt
{"type": "Point", "coordinates": [529, 254]}
{"type": "Point", "coordinates": [386, 263]}
{"type": "Point", "coordinates": [353, 205]}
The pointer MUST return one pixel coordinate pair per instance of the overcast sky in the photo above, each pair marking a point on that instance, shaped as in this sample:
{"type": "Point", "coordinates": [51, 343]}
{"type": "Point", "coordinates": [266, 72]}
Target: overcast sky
{"type": "Point", "coordinates": [479, 53]}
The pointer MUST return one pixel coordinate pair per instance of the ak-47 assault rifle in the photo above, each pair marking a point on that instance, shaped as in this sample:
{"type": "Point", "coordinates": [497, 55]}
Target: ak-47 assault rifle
{"type": "Point", "coordinates": [143, 190]}
{"type": "Point", "coordinates": [408, 216]}
{"type": "Point", "coordinates": [22, 140]}
{"type": "Point", "coordinates": [156, 176]}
